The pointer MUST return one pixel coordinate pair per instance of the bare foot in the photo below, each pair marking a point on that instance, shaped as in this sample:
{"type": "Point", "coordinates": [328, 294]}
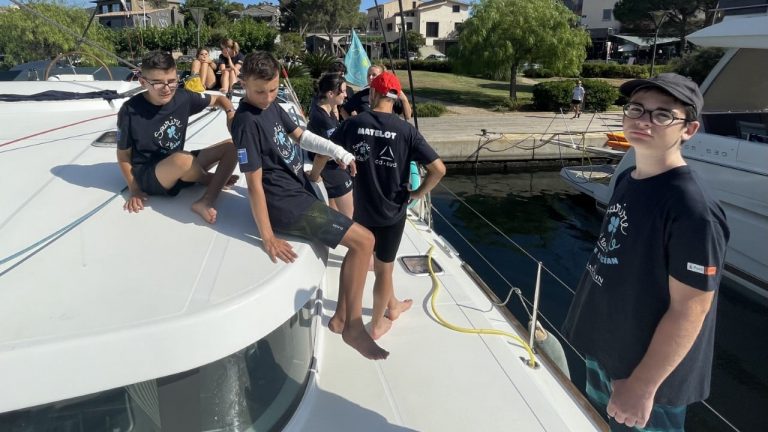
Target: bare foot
{"type": "Point", "coordinates": [360, 340]}
{"type": "Point", "coordinates": [393, 313]}
{"type": "Point", "coordinates": [380, 328]}
{"type": "Point", "coordinates": [336, 324]}
{"type": "Point", "coordinates": [205, 210]}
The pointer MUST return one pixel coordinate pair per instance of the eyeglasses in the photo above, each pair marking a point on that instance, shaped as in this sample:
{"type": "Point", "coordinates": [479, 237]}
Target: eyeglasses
{"type": "Point", "coordinates": [659, 117]}
{"type": "Point", "coordinates": [158, 85]}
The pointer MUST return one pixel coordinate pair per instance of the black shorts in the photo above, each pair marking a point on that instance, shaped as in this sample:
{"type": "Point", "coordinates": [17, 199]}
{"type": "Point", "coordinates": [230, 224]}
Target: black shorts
{"type": "Point", "coordinates": [388, 240]}
{"type": "Point", "coordinates": [575, 102]}
{"type": "Point", "coordinates": [337, 181]}
{"type": "Point", "coordinates": [145, 176]}
{"type": "Point", "coordinates": [320, 223]}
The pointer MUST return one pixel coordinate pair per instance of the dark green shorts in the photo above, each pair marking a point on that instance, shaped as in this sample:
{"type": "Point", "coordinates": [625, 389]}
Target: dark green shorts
{"type": "Point", "coordinates": [320, 223]}
{"type": "Point", "coordinates": [664, 418]}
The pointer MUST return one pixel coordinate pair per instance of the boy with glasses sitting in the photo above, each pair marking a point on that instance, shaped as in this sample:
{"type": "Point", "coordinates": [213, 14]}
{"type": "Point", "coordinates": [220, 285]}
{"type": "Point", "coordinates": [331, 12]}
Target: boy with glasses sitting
{"type": "Point", "coordinates": [644, 311]}
{"type": "Point", "coordinates": [151, 131]}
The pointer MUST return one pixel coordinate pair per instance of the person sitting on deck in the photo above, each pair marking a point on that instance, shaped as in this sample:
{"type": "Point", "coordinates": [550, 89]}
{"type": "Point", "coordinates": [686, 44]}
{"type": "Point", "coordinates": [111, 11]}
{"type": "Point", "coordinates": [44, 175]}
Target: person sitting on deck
{"type": "Point", "coordinates": [384, 146]}
{"type": "Point", "coordinates": [152, 127]}
{"type": "Point", "coordinates": [205, 68]}
{"type": "Point", "coordinates": [230, 62]}
{"type": "Point", "coordinates": [282, 198]}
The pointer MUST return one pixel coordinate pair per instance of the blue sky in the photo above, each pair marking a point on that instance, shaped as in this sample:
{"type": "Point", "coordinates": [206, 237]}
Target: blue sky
{"type": "Point", "coordinates": [364, 4]}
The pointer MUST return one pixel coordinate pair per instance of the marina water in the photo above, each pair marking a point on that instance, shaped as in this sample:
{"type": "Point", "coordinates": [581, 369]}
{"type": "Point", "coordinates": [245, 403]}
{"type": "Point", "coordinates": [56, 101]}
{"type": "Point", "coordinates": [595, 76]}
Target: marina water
{"type": "Point", "coordinates": [559, 226]}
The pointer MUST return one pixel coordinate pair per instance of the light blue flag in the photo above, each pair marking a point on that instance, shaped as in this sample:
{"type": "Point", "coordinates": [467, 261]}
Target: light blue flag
{"type": "Point", "coordinates": [357, 63]}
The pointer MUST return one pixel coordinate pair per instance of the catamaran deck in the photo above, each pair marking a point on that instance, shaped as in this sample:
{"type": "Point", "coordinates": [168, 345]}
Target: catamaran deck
{"type": "Point", "coordinates": [435, 379]}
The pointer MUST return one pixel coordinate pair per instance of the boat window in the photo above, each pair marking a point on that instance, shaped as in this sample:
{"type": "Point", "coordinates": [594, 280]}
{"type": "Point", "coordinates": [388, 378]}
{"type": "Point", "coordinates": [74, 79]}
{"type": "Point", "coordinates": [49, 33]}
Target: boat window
{"type": "Point", "coordinates": [256, 389]}
{"type": "Point", "coordinates": [736, 102]}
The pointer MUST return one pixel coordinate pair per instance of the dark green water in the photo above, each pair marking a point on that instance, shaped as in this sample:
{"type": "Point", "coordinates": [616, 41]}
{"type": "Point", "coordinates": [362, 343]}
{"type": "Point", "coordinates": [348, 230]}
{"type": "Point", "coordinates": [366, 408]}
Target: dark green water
{"type": "Point", "coordinates": [558, 226]}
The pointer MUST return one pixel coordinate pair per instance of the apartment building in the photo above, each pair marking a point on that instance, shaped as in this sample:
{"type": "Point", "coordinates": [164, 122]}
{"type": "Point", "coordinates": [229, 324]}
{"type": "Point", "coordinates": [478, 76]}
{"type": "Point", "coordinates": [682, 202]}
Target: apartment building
{"type": "Point", "coordinates": [437, 20]}
{"type": "Point", "coordinates": [138, 13]}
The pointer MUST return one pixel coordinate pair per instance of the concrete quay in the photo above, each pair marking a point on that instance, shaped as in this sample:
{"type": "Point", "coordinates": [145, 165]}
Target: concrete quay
{"type": "Point", "coordinates": [519, 136]}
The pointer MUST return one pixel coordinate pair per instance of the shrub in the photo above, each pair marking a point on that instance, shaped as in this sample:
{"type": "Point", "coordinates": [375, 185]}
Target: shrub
{"type": "Point", "coordinates": [430, 109]}
{"type": "Point", "coordinates": [615, 70]}
{"type": "Point", "coordinates": [317, 63]}
{"type": "Point", "coordinates": [538, 73]}
{"type": "Point", "coordinates": [297, 70]}
{"type": "Point", "coordinates": [444, 66]}
{"type": "Point", "coordinates": [509, 104]}
{"type": "Point", "coordinates": [304, 88]}
{"type": "Point", "coordinates": [698, 64]}
{"type": "Point", "coordinates": [553, 95]}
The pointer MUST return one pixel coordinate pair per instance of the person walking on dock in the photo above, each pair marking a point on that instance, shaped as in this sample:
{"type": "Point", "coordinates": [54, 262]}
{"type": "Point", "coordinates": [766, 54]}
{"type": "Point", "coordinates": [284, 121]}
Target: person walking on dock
{"type": "Point", "coordinates": [644, 311]}
{"type": "Point", "coordinates": [577, 98]}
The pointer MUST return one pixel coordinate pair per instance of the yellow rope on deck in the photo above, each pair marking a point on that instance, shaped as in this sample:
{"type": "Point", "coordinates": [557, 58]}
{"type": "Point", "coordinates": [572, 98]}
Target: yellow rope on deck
{"type": "Point", "coordinates": [444, 323]}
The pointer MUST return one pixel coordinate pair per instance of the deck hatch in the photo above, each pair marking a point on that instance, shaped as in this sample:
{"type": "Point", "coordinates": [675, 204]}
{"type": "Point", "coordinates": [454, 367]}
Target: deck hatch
{"type": "Point", "coordinates": [107, 139]}
{"type": "Point", "coordinates": [418, 265]}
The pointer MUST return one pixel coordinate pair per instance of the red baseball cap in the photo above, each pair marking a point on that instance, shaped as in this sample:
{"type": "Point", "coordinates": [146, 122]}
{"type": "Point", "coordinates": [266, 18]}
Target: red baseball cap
{"type": "Point", "coordinates": [387, 84]}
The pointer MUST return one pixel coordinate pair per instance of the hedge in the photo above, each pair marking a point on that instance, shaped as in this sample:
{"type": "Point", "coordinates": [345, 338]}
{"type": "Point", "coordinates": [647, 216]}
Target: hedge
{"type": "Point", "coordinates": [430, 109]}
{"type": "Point", "coordinates": [444, 66]}
{"type": "Point", "coordinates": [304, 88]}
{"type": "Point", "coordinates": [615, 70]}
{"type": "Point", "coordinates": [553, 95]}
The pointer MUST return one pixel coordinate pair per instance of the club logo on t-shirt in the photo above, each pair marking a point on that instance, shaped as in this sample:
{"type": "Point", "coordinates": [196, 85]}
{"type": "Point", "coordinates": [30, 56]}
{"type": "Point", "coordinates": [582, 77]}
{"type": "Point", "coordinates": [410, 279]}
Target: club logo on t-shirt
{"type": "Point", "coordinates": [698, 268]}
{"type": "Point", "coordinates": [386, 158]}
{"type": "Point", "coordinates": [609, 240]}
{"type": "Point", "coordinates": [285, 146]}
{"type": "Point", "coordinates": [170, 135]}
{"type": "Point", "coordinates": [362, 151]}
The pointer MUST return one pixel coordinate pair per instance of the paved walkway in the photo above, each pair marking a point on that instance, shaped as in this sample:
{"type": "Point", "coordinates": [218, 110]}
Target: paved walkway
{"type": "Point", "coordinates": [519, 135]}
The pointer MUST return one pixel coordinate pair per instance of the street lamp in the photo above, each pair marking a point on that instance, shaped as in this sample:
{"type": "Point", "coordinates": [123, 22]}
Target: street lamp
{"type": "Point", "coordinates": [658, 19]}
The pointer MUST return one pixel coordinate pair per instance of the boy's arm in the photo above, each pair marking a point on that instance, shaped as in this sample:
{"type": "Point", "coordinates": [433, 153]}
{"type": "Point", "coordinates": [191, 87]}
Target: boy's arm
{"type": "Point", "coordinates": [135, 202]}
{"type": "Point", "coordinates": [318, 164]}
{"type": "Point", "coordinates": [632, 398]}
{"type": "Point", "coordinates": [275, 247]}
{"type": "Point", "coordinates": [319, 145]}
{"type": "Point", "coordinates": [226, 105]}
{"type": "Point", "coordinates": [407, 110]}
{"type": "Point", "coordinates": [435, 172]}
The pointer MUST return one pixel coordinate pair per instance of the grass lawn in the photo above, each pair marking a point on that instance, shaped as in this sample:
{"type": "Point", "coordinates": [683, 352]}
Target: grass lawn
{"type": "Point", "coordinates": [457, 89]}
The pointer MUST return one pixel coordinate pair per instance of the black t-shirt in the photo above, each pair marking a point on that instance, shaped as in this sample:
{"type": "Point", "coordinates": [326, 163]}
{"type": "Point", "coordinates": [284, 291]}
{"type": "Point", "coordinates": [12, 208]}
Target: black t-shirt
{"type": "Point", "coordinates": [262, 141]}
{"type": "Point", "coordinates": [665, 225]}
{"type": "Point", "coordinates": [323, 124]}
{"type": "Point", "coordinates": [360, 102]}
{"type": "Point", "coordinates": [153, 132]}
{"type": "Point", "coordinates": [384, 146]}
{"type": "Point", "coordinates": [237, 59]}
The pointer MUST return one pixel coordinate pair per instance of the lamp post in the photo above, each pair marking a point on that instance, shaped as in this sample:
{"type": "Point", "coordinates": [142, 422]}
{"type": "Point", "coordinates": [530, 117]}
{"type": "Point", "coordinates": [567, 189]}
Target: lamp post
{"type": "Point", "coordinates": [658, 20]}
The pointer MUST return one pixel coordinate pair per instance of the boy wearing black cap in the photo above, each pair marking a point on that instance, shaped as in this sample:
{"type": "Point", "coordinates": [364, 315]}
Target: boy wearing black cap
{"type": "Point", "coordinates": [644, 311]}
{"type": "Point", "coordinates": [384, 146]}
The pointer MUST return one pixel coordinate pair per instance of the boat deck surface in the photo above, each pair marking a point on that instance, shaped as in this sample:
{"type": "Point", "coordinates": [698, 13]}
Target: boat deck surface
{"type": "Point", "coordinates": [435, 379]}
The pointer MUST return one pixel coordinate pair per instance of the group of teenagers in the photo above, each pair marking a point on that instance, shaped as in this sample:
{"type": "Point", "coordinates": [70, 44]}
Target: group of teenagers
{"type": "Point", "coordinates": [644, 310]}
{"type": "Point", "coordinates": [363, 161]}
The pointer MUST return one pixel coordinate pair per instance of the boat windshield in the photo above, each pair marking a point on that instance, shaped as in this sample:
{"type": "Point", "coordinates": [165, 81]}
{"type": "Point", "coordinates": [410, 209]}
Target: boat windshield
{"type": "Point", "coordinates": [736, 102]}
{"type": "Point", "coordinates": [256, 388]}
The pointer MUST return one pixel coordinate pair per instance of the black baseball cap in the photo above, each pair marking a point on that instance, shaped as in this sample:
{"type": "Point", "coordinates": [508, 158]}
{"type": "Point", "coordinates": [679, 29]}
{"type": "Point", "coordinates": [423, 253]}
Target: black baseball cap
{"type": "Point", "coordinates": [680, 87]}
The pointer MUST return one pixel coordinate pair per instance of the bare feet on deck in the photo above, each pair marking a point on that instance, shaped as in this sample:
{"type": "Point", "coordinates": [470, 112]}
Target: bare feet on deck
{"type": "Point", "coordinates": [380, 328]}
{"type": "Point", "coordinates": [394, 312]}
{"type": "Point", "coordinates": [205, 210]}
{"type": "Point", "coordinates": [360, 340]}
{"type": "Point", "coordinates": [336, 324]}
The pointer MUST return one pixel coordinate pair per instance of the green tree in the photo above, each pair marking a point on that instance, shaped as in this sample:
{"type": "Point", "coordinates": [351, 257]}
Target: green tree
{"type": "Point", "coordinates": [216, 14]}
{"type": "Point", "coordinates": [328, 16]}
{"type": "Point", "coordinates": [501, 35]}
{"type": "Point", "coordinates": [683, 17]}
{"type": "Point", "coordinates": [252, 35]}
{"type": "Point", "coordinates": [26, 36]}
{"type": "Point", "coordinates": [291, 44]}
{"type": "Point", "coordinates": [415, 40]}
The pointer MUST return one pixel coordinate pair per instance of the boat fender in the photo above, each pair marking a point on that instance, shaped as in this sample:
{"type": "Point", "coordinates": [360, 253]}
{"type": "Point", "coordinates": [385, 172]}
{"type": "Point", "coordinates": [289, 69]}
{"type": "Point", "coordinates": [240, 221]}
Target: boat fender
{"type": "Point", "coordinates": [415, 182]}
{"type": "Point", "coordinates": [550, 346]}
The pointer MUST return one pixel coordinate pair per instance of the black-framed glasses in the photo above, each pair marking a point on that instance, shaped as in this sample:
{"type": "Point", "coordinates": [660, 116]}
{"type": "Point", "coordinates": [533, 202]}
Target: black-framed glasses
{"type": "Point", "coordinates": [659, 116]}
{"type": "Point", "coordinates": [158, 85]}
